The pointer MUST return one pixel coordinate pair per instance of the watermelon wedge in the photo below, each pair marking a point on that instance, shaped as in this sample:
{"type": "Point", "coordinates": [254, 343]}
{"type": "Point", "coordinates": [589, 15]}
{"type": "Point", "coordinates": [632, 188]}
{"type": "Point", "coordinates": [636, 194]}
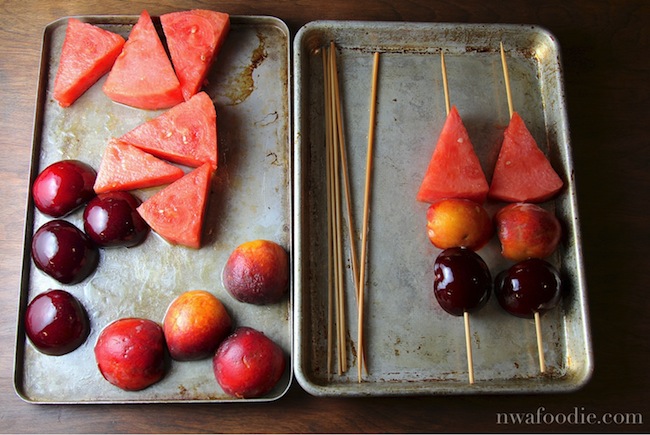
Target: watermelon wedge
{"type": "Point", "coordinates": [522, 172]}
{"type": "Point", "coordinates": [177, 212]}
{"type": "Point", "coordinates": [185, 134]}
{"type": "Point", "coordinates": [88, 52]}
{"type": "Point", "coordinates": [194, 38]}
{"type": "Point", "coordinates": [125, 167]}
{"type": "Point", "coordinates": [454, 170]}
{"type": "Point", "coordinates": [142, 75]}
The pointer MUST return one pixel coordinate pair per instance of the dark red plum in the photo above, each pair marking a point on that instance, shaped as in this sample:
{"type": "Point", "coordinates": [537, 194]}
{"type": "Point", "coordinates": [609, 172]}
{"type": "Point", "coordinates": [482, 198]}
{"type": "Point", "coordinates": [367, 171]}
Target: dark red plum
{"type": "Point", "coordinates": [111, 219]}
{"type": "Point", "coordinates": [56, 322]}
{"type": "Point", "coordinates": [64, 252]}
{"type": "Point", "coordinates": [63, 186]}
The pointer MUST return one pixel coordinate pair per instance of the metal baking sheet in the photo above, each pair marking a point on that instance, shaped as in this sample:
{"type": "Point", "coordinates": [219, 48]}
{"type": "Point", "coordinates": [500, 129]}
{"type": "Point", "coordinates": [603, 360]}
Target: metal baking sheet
{"type": "Point", "coordinates": [413, 346]}
{"type": "Point", "coordinates": [250, 199]}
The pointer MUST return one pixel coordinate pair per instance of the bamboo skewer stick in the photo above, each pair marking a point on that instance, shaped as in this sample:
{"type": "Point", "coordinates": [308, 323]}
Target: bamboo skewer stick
{"type": "Point", "coordinates": [468, 346]}
{"type": "Point", "coordinates": [346, 182]}
{"type": "Point", "coordinates": [506, 78]}
{"type": "Point", "coordinates": [540, 344]}
{"type": "Point", "coordinates": [338, 118]}
{"type": "Point", "coordinates": [336, 162]}
{"type": "Point", "coordinates": [330, 246]}
{"type": "Point", "coordinates": [366, 207]}
{"type": "Point", "coordinates": [335, 146]}
{"type": "Point", "coordinates": [445, 85]}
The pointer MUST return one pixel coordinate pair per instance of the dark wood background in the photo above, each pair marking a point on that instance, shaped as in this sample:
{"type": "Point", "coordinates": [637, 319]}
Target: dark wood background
{"type": "Point", "coordinates": [605, 48]}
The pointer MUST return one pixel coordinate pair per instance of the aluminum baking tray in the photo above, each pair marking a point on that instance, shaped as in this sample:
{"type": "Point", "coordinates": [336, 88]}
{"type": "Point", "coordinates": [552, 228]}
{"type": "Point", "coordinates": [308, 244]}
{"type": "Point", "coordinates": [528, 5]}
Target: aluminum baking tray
{"type": "Point", "coordinates": [250, 199]}
{"type": "Point", "coordinates": [413, 346]}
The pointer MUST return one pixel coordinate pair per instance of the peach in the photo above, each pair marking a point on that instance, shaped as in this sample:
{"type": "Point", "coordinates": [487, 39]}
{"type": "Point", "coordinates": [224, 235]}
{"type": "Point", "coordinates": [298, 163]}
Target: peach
{"type": "Point", "coordinates": [458, 222]}
{"type": "Point", "coordinates": [527, 230]}
{"type": "Point", "coordinates": [130, 353]}
{"type": "Point", "coordinates": [248, 364]}
{"type": "Point", "coordinates": [195, 324]}
{"type": "Point", "coordinates": [257, 272]}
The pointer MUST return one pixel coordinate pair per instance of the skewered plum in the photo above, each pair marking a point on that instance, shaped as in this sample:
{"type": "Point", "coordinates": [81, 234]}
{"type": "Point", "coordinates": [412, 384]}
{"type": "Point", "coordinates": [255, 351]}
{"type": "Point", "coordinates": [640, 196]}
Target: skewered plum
{"type": "Point", "coordinates": [527, 230]}
{"type": "Point", "coordinates": [111, 219]}
{"type": "Point", "coordinates": [455, 222]}
{"type": "Point", "coordinates": [56, 322]}
{"type": "Point", "coordinates": [63, 187]}
{"type": "Point", "coordinates": [64, 252]}
{"type": "Point", "coordinates": [462, 281]}
{"type": "Point", "coordinates": [527, 287]}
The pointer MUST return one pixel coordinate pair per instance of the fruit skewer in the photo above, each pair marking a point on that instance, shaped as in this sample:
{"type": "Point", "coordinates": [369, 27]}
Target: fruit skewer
{"type": "Point", "coordinates": [465, 312]}
{"type": "Point", "coordinates": [536, 314]}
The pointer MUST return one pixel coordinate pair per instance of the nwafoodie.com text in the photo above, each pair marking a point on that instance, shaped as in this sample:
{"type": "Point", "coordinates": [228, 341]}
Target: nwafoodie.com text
{"type": "Point", "coordinates": [578, 416]}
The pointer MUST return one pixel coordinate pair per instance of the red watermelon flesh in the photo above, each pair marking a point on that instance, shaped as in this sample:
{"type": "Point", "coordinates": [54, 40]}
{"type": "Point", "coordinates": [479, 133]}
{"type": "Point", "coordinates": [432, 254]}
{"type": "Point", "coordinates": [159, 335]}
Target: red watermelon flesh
{"type": "Point", "coordinates": [143, 76]}
{"type": "Point", "coordinates": [176, 213]}
{"type": "Point", "coordinates": [454, 169]}
{"type": "Point", "coordinates": [125, 167]}
{"type": "Point", "coordinates": [194, 38]}
{"type": "Point", "coordinates": [522, 172]}
{"type": "Point", "coordinates": [88, 52]}
{"type": "Point", "coordinates": [185, 134]}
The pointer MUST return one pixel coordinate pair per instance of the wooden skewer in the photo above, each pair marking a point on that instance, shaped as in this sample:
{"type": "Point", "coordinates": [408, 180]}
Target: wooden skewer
{"type": "Point", "coordinates": [346, 181]}
{"type": "Point", "coordinates": [506, 77]}
{"type": "Point", "coordinates": [540, 344]}
{"type": "Point", "coordinates": [330, 246]}
{"type": "Point", "coordinates": [338, 117]}
{"type": "Point", "coordinates": [366, 207]}
{"type": "Point", "coordinates": [444, 80]}
{"type": "Point", "coordinates": [338, 248]}
{"type": "Point", "coordinates": [538, 323]}
{"type": "Point", "coordinates": [468, 338]}
{"type": "Point", "coordinates": [468, 345]}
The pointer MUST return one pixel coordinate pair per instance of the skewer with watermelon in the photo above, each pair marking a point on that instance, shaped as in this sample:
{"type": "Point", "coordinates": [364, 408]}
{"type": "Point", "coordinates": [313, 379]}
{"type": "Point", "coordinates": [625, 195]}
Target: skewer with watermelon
{"type": "Point", "coordinates": [522, 172]}
{"type": "Point", "coordinates": [455, 173]}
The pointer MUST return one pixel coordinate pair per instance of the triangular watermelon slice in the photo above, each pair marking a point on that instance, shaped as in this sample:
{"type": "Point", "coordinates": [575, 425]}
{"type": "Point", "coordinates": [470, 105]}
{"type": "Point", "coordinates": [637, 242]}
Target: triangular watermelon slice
{"type": "Point", "coordinates": [454, 169]}
{"type": "Point", "coordinates": [522, 172]}
{"type": "Point", "coordinates": [88, 52]}
{"type": "Point", "coordinates": [194, 38]}
{"type": "Point", "coordinates": [185, 134]}
{"type": "Point", "coordinates": [177, 212]}
{"type": "Point", "coordinates": [125, 167]}
{"type": "Point", "coordinates": [142, 75]}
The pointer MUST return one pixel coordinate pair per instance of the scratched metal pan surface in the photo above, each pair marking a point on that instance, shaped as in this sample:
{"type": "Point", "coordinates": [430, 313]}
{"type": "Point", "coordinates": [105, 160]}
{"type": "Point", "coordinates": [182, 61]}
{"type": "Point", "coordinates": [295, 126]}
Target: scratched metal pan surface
{"type": "Point", "coordinates": [413, 347]}
{"type": "Point", "coordinates": [250, 199]}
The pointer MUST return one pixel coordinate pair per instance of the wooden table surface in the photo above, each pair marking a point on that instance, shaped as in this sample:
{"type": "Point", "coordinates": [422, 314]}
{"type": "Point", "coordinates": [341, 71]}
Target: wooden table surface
{"type": "Point", "coordinates": [605, 47]}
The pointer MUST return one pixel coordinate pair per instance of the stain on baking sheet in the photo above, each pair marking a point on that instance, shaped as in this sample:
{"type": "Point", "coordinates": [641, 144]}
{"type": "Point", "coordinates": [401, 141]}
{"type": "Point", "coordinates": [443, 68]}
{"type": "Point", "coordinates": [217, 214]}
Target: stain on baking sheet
{"type": "Point", "coordinates": [243, 82]}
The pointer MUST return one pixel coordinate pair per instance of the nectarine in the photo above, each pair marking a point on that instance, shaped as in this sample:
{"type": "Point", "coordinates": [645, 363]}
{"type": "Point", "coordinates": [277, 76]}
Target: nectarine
{"type": "Point", "coordinates": [248, 363]}
{"type": "Point", "coordinates": [257, 272]}
{"type": "Point", "coordinates": [196, 323]}
{"type": "Point", "coordinates": [130, 353]}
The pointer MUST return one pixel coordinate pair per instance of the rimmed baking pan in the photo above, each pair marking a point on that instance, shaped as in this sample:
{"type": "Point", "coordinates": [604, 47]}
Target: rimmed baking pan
{"type": "Point", "coordinates": [413, 347]}
{"type": "Point", "coordinates": [250, 199]}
